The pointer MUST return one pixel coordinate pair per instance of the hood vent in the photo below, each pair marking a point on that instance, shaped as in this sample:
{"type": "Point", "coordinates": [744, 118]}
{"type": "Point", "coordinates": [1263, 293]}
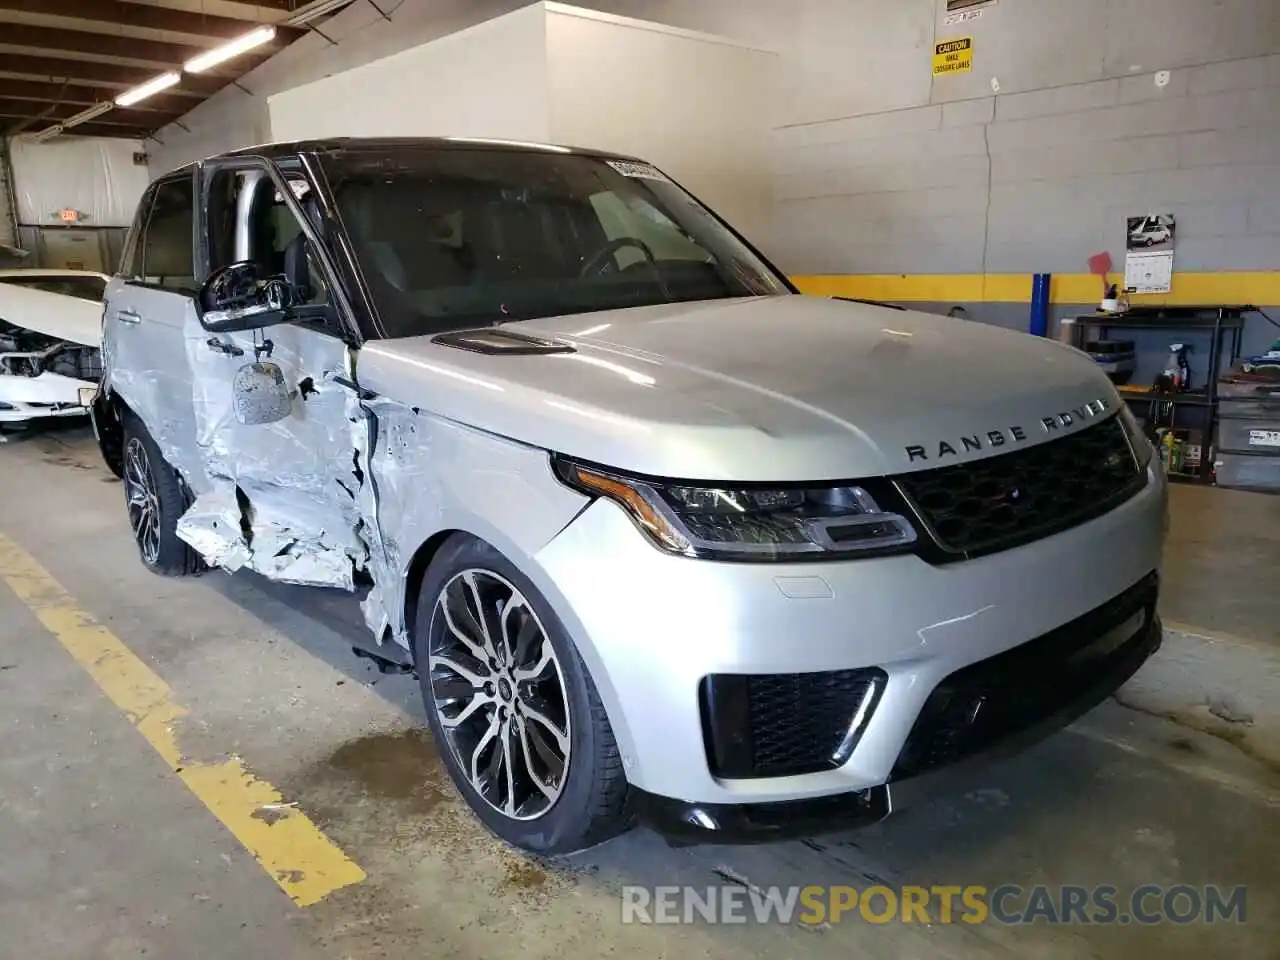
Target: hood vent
{"type": "Point", "coordinates": [492, 342]}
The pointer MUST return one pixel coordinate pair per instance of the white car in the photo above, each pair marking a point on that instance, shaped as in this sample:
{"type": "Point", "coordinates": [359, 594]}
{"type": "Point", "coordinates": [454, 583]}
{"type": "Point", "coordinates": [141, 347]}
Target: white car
{"type": "Point", "coordinates": [50, 343]}
{"type": "Point", "coordinates": [1150, 234]}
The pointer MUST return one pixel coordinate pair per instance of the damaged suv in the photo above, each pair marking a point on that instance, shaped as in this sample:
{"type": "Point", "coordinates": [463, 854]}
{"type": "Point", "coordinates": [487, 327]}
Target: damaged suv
{"type": "Point", "coordinates": [661, 537]}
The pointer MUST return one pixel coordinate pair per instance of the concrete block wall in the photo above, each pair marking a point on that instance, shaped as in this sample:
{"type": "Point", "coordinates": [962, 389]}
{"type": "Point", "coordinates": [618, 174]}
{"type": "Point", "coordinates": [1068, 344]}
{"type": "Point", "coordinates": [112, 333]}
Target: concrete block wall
{"type": "Point", "coordinates": [942, 191]}
{"type": "Point", "coordinates": [891, 183]}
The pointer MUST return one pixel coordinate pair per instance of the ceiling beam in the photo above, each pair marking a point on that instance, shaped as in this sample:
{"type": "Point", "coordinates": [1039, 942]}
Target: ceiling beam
{"type": "Point", "coordinates": [116, 13]}
{"type": "Point", "coordinates": [85, 96]}
{"type": "Point", "coordinates": [56, 69]}
{"type": "Point", "coordinates": [289, 5]}
{"type": "Point", "coordinates": [52, 111]}
{"type": "Point", "coordinates": [54, 42]}
{"type": "Point", "coordinates": [70, 43]}
{"type": "Point", "coordinates": [95, 128]}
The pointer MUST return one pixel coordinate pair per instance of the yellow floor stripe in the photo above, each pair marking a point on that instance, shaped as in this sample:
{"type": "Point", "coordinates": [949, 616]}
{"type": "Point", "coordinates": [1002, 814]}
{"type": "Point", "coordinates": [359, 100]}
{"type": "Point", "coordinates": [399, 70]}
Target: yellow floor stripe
{"type": "Point", "coordinates": [293, 851]}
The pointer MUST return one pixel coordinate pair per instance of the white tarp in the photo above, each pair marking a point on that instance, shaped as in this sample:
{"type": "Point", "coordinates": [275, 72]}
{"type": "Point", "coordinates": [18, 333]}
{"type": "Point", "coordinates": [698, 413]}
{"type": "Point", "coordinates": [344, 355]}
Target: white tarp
{"type": "Point", "coordinates": [95, 177]}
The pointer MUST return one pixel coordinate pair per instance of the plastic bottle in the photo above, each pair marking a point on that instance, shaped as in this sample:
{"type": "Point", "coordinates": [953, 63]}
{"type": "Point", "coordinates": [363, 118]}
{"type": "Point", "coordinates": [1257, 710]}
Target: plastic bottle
{"type": "Point", "coordinates": [1168, 446]}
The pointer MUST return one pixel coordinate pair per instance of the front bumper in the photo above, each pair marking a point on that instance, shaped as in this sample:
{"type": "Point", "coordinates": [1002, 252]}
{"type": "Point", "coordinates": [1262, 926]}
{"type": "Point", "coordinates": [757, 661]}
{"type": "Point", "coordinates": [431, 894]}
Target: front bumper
{"type": "Point", "coordinates": [50, 395]}
{"type": "Point", "coordinates": [651, 627]}
{"type": "Point", "coordinates": [1119, 654]}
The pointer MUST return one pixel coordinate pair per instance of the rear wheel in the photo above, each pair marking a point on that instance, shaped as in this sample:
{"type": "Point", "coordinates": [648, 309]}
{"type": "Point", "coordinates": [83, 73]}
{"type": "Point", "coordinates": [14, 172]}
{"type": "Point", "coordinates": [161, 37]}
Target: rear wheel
{"type": "Point", "coordinates": [520, 724]}
{"type": "Point", "coordinates": [155, 498]}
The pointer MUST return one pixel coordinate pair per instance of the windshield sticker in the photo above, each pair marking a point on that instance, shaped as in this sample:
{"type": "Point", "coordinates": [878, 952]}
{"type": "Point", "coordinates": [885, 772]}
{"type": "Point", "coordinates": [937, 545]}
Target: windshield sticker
{"type": "Point", "coordinates": [643, 171]}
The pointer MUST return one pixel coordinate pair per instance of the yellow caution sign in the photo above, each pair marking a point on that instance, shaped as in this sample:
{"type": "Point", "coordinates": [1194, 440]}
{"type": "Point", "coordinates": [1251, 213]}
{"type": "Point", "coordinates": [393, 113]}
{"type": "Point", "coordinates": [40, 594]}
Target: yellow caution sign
{"type": "Point", "coordinates": [953, 56]}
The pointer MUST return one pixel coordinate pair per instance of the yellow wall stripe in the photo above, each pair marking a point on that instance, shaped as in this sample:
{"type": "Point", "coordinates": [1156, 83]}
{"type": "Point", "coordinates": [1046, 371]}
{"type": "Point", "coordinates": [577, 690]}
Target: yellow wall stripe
{"type": "Point", "coordinates": [293, 851]}
{"type": "Point", "coordinates": [1260, 288]}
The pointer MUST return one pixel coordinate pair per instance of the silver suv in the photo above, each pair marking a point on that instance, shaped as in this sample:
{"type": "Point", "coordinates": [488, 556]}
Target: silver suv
{"type": "Point", "coordinates": [661, 537]}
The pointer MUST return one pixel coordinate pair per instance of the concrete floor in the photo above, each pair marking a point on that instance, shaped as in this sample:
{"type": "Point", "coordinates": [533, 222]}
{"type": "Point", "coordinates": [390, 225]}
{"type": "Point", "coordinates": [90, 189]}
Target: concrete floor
{"type": "Point", "coordinates": [105, 853]}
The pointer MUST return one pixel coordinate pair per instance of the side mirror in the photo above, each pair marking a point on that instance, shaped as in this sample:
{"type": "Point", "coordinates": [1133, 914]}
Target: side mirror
{"type": "Point", "coordinates": [243, 296]}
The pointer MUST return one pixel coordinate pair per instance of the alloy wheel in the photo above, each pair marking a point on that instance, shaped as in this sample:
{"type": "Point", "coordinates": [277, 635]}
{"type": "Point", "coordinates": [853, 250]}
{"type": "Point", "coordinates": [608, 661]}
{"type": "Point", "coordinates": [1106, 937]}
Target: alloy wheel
{"type": "Point", "coordinates": [499, 693]}
{"type": "Point", "coordinates": [143, 501]}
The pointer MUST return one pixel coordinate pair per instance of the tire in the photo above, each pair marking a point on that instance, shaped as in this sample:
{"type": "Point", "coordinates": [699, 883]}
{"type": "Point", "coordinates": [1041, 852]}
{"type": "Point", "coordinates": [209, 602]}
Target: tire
{"type": "Point", "coordinates": [591, 804]}
{"type": "Point", "coordinates": [153, 488]}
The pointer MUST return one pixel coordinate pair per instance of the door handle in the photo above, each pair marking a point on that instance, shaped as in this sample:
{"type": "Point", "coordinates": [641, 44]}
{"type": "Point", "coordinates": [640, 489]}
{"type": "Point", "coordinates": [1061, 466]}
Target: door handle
{"type": "Point", "coordinates": [128, 316]}
{"type": "Point", "coordinates": [219, 346]}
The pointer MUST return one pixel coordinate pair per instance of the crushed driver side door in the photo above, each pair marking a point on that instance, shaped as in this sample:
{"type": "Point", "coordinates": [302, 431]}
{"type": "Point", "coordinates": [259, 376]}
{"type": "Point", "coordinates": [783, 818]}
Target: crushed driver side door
{"type": "Point", "coordinates": [274, 407]}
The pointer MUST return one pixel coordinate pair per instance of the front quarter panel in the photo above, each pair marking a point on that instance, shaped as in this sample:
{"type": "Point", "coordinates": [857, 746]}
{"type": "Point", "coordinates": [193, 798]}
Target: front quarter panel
{"type": "Point", "coordinates": [430, 476]}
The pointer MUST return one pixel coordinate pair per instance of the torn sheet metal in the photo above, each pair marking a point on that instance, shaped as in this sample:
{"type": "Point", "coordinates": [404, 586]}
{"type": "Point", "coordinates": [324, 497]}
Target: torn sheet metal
{"type": "Point", "coordinates": [290, 544]}
{"type": "Point", "coordinates": [275, 439]}
{"type": "Point", "coordinates": [212, 526]}
{"type": "Point", "coordinates": [370, 421]}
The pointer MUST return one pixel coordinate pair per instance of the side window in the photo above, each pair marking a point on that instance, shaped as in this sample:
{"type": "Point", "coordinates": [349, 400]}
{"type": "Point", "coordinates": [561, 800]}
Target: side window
{"type": "Point", "coordinates": [167, 258]}
{"type": "Point", "coordinates": [131, 256]}
{"type": "Point", "coordinates": [250, 220]}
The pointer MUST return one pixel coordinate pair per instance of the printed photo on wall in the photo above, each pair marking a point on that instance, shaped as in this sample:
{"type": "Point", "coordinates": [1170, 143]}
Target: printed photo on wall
{"type": "Point", "coordinates": [1148, 262]}
{"type": "Point", "coordinates": [966, 4]}
{"type": "Point", "coordinates": [1153, 232]}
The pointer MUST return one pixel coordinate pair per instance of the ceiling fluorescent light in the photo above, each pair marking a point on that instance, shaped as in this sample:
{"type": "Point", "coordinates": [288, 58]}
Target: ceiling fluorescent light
{"type": "Point", "coordinates": [88, 113]}
{"type": "Point", "coordinates": [314, 11]}
{"type": "Point", "coordinates": [232, 48]}
{"type": "Point", "coordinates": [141, 92]}
{"type": "Point", "coordinates": [84, 116]}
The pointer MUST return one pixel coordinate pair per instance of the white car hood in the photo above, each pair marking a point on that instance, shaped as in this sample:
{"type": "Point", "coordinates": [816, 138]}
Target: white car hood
{"type": "Point", "coordinates": [53, 314]}
{"type": "Point", "coordinates": [781, 389]}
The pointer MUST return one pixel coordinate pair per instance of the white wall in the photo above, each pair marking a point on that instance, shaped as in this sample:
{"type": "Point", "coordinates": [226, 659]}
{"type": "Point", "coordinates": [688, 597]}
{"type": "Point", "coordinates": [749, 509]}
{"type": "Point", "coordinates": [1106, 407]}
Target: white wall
{"type": "Point", "coordinates": [95, 176]}
{"type": "Point", "coordinates": [235, 118]}
{"type": "Point", "coordinates": [487, 80]}
{"type": "Point", "coordinates": [690, 103]}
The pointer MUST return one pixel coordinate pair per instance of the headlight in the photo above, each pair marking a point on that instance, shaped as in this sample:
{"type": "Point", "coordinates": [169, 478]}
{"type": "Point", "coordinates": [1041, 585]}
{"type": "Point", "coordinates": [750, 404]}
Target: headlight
{"type": "Point", "coordinates": [1142, 448]}
{"type": "Point", "coordinates": [749, 521]}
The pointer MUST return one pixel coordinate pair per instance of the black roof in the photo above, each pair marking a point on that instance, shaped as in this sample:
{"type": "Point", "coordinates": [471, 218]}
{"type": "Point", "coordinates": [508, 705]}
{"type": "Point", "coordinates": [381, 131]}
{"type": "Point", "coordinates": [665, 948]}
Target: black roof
{"type": "Point", "coordinates": [292, 148]}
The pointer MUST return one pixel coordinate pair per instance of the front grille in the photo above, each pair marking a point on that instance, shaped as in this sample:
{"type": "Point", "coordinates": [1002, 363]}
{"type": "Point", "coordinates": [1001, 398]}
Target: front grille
{"type": "Point", "coordinates": [784, 724]}
{"type": "Point", "coordinates": [1045, 682]}
{"type": "Point", "coordinates": [977, 508]}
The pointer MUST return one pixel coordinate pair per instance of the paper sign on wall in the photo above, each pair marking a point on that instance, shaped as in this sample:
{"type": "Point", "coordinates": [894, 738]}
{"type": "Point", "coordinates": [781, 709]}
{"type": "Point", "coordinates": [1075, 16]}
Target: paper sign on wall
{"type": "Point", "coordinates": [953, 56]}
{"type": "Point", "coordinates": [1148, 264]}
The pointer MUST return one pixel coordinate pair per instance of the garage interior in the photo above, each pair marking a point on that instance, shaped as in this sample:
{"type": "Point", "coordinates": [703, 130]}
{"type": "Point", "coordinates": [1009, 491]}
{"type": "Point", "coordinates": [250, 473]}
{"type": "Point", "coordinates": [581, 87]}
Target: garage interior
{"type": "Point", "coordinates": [1007, 181]}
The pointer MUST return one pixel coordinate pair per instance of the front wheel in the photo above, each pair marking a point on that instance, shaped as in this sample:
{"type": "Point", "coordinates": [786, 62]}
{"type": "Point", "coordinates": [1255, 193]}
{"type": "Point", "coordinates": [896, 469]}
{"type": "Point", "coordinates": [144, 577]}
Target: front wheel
{"type": "Point", "coordinates": [519, 723]}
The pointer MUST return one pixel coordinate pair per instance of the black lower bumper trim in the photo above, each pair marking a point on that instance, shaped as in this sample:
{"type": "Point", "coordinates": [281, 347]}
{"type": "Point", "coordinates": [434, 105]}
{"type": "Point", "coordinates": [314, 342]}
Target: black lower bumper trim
{"type": "Point", "coordinates": [688, 822]}
{"type": "Point", "coordinates": [1004, 703]}
{"type": "Point", "coordinates": [685, 822]}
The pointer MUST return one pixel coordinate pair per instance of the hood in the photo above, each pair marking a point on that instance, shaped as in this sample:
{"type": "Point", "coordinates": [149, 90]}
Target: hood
{"type": "Point", "coordinates": [787, 388]}
{"type": "Point", "coordinates": [53, 314]}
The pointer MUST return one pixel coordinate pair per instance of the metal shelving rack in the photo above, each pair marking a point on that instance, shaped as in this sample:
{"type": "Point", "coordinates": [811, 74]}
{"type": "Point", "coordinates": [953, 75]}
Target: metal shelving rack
{"type": "Point", "coordinates": [1218, 320]}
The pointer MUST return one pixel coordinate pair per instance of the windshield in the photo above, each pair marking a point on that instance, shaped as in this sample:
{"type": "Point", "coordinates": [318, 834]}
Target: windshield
{"type": "Point", "coordinates": [83, 287]}
{"type": "Point", "coordinates": [450, 238]}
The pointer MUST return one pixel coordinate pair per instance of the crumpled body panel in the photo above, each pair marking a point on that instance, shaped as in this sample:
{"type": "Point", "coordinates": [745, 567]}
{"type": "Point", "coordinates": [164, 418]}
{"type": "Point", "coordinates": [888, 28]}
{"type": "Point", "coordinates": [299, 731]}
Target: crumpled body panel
{"type": "Point", "coordinates": [344, 488]}
{"type": "Point", "coordinates": [279, 497]}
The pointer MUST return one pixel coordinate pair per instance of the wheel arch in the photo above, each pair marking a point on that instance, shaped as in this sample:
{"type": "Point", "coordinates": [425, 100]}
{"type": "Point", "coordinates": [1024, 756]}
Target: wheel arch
{"type": "Point", "coordinates": [107, 413]}
{"type": "Point", "coordinates": [528, 565]}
